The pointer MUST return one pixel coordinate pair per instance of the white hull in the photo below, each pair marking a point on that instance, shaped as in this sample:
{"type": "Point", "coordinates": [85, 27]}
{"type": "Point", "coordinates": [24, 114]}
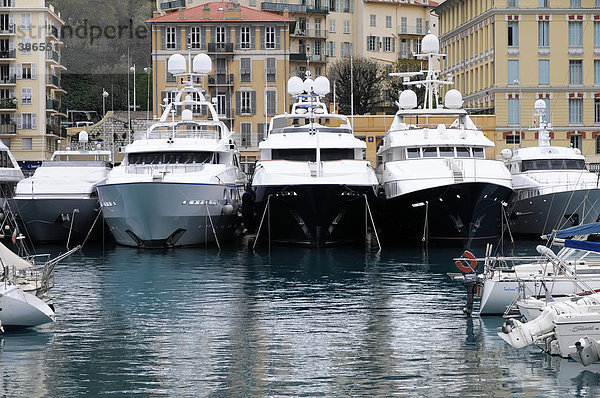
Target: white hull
{"type": "Point", "coordinates": [20, 309]}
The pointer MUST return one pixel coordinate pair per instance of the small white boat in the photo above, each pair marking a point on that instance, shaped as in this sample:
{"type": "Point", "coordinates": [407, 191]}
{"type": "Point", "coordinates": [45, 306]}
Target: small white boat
{"type": "Point", "coordinates": [558, 327]}
{"type": "Point", "coordinates": [60, 201]}
{"type": "Point", "coordinates": [20, 309]}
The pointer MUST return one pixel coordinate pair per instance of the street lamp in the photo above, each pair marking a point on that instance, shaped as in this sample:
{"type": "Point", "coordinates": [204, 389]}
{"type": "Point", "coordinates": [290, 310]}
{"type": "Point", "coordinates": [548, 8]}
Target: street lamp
{"type": "Point", "coordinates": [104, 95]}
{"type": "Point", "coordinates": [148, 70]}
{"type": "Point", "coordinates": [133, 70]}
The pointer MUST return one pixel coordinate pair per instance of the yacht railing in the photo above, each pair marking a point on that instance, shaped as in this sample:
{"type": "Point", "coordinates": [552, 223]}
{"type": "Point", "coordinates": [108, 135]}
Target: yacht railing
{"type": "Point", "coordinates": [152, 169]}
{"type": "Point", "coordinates": [201, 134]}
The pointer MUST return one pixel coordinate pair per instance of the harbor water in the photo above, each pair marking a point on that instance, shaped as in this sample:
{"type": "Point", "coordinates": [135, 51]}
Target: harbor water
{"type": "Point", "coordinates": [292, 322]}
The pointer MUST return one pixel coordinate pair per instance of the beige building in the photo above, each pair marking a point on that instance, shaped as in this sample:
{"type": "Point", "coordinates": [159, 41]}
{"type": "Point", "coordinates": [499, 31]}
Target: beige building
{"type": "Point", "coordinates": [505, 55]}
{"type": "Point", "coordinates": [250, 51]}
{"type": "Point", "coordinates": [30, 70]}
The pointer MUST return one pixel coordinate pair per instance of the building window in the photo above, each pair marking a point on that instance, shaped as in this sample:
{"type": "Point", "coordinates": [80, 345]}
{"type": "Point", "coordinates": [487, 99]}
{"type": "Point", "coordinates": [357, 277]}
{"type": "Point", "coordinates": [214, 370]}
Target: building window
{"type": "Point", "coordinates": [513, 139]}
{"type": "Point", "coordinates": [346, 26]}
{"type": "Point", "coordinates": [513, 34]}
{"type": "Point", "coordinates": [26, 46]}
{"type": "Point", "coordinates": [596, 34]}
{"type": "Point", "coordinates": [417, 46]}
{"type": "Point", "coordinates": [514, 111]}
{"type": "Point", "coordinates": [246, 102]}
{"type": "Point", "coordinates": [170, 38]}
{"type": "Point", "coordinates": [27, 71]}
{"type": "Point", "coordinates": [404, 48]}
{"type": "Point", "coordinates": [245, 37]}
{"type": "Point", "coordinates": [270, 37]}
{"type": "Point", "coordinates": [246, 132]}
{"type": "Point", "coordinates": [403, 25]}
{"type": "Point", "coordinates": [513, 71]}
{"type": "Point", "coordinates": [332, 25]}
{"type": "Point", "coordinates": [543, 3]}
{"type": "Point", "coordinates": [576, 72]}
{"type": "Point", "coordinates": [220, 35]}
{"type": "Point", "coordinates": [317, 71]}
{"type": "Point", "coordinates": [597, 72]}
{"type": "Point", "coordinates": [373, 20]}
{"type": "Point", "coordinates": [332, 4]}
{"type": "Point", "coordinates": [26, 95]}
{"type": "Point", "coordinates": [575, 34]}
{"type": "Point", "coordinates": [546, 117]}
{"type": "Point", "coordinates": [262, 130]}
{"type": "Point", "coordinates": [543, 34]}
{"type": "Point", "coordinates": [318, 26]}
{"type": "Point", "coordinates": [388, 21]}
{"type": "Point", "coordinates": [598, 145]}
{"type": "Point", "coordinates": [271, 99]}
{"type": "Point", "coordinates": [575, 111]}
{"type": "Point", "coordinates": [195, 38]}
{"type": "Point", "coordinates": [597, 110]}
{"type": "Point", "coordinates": [513, 3]}
{"type": "Point", "coordinates": [28, 121]}
{"type": "Point", "coordinates": [252, 3]}
{"type": "Point", "coordinates": [317, 48]}
{"type": "Point", "coordinates": [27, 143]}
{"type": "Point", "coordinates": [576, 3]}
{"type": "Point", "coordinates": [419, 26]}
{"type": "Point", "coordinates": [346, 49]}
{"type": "Point", "coordinates": [331, 49]}
{"type": "Point", "coordinates": [245, 70]}
{"type": "Point", "coordinates": [371, 43]}
{"type": "Point", "coordinates": [576, 141]}
{"type": "Point", "coordinates": [26, 21]}
{"type": "Point", "coordinates": [271, 70]}
{"type": "Point", "coordinates": [544, 72]}
{"type": "Point", "coordinates": [387, 44]}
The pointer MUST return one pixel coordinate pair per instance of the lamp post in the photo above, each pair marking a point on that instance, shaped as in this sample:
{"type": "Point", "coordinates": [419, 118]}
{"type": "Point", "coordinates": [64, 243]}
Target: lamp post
{"type": "Point", "coordinates": [148, 71]}
{"type": "Point", "coordinates": [134, 102]}
{"type": "Point", "coordinates": [104, 95]}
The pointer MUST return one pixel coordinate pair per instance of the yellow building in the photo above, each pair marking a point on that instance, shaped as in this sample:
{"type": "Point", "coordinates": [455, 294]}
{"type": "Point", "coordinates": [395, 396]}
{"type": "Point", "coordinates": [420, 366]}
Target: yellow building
{"type": "Point", "coordinates": [30, 69]}
{"type": "Point", "coordinates": [250, 53]}
{"type": "Point", "coordinates": [504, 55]}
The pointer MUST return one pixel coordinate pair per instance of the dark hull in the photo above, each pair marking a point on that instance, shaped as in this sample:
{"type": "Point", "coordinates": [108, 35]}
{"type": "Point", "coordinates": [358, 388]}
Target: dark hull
{"type": "Point", "coordinates": [458, 214]}
{"type": "Point", "coordinates": [312, 215]}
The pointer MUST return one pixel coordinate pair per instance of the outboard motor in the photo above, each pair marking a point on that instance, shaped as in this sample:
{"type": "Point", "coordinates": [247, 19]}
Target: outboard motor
{"type": "Point", "coordinates": [470, 282]}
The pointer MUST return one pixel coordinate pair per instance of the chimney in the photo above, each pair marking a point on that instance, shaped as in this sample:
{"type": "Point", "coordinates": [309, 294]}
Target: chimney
{"type": "Point", "coordinates": [232, 11]}
{"type": "Point", "coordinates": [206, 11]}
{"type": "Point", "coordinates": [181, 13]}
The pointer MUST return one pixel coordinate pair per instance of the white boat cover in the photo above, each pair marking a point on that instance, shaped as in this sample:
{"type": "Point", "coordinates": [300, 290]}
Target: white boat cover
{"type": "Point", "coordinates": [11, 259]}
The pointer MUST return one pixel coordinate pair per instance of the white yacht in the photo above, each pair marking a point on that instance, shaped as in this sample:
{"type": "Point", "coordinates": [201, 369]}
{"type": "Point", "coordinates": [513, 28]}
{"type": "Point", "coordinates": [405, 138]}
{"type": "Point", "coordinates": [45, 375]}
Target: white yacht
{"type": "Point", "coordinates": [59, 202]}
{"type": "Point", "coordinates": [438, 184]}
{"type": "Point", "coordinates": [312, 185]}
{"type": "Point", "coordinates": [10, 172]}
{"type": "Point", "coordinates": [554, 190]}
{"type": "Point", "coordinates": [179, 184]}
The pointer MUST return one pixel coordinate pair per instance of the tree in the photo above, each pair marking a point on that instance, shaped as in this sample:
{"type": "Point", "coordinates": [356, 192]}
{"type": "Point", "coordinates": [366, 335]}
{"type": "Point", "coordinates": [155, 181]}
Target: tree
{"type": "Point", "coordinates": [368, 78]}
{"type": "Point", "coordinates": [395, 84]}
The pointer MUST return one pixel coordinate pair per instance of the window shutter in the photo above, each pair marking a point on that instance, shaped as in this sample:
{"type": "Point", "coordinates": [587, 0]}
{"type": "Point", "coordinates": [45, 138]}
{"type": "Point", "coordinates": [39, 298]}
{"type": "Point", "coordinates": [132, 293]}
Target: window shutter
{"type": "Point", "coordinates": [187, 41]}
{"type": "Point", "coordinates": [23, 94]}
{"type": "Point", "coordinates": [238, 103]}
{"type": "Point", "coordinates": [393, 44]}
{"type": "Point", "coordinates": [19, 121]}
{"type": "Point", "coordinates": [351, 5]}
{"type": "Point", "coordinates": [163, 38]}
{"type": "Point", "coordinates": [253, 102]}
{"type": "Point", "coordinates": [277, 38]}
{"type": "Point", "coordinates": [227, 34]}
{"type": "Point", "coordinates": [19, 71]}
{"type": "Point", "coordinates": [177, 38]}
{"type": "Point", "coordinates": [11, 19]}
{"type": "Point", "coordinates": [253, 38]}
{"type": "Point", "coordinates": [238, 37]}
{"type": "Point", "coordinates": [33, 121]}
{"type": "Point", "coordinates": [11, 70]}
{"type": "Point", "coordinates": [33, 71]}
{"type": "Point", "coordinates": [262, 38]}
{"type": "Point", "coordinates": [11, 44]}
{"type": "Point", "coordinates": [213, 34]}
{"type": "Point", "coordinates": [378, 44]}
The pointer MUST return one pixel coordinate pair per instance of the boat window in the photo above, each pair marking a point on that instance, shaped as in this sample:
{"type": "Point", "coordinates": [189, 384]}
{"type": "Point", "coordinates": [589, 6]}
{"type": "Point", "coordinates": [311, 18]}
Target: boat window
{"type": "Point", "coordinates": [553, 164]}
{"type": "Point", "coordinates": [172, 157]}
{"type": "Point", "coordinates": [478, 153]}
{"type": "Point", "coordinates": [430, 152]}
{"type": "Point", "coordinates": [463, 152]}
{"type": "Point", "coordinates": [310, 154]}
{"type": "Point", "coordinates": [337, 154]}
{"type": "Point", "coordinates": [413, 153]}
{"type": "Point", "coordinates": [446, 152]}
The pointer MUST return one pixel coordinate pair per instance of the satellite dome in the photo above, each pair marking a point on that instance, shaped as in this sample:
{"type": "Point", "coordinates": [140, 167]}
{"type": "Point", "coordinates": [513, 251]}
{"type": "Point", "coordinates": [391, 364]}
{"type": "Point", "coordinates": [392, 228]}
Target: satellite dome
{"type": "Point", "coordinates": [295, 85]}
{"type": "Point", "coordinates": [83, 136]}
{"type": "Point", "coordinates": [430, 44]}
{"type": "Point", "coordinates": [309, 85]}
{"type": "Point", "coordinates": [176, 64]}
{"type": "Point", "coordinates": [202, 64]}
{"type": "Point", "coordinates": [540, 105]}
{"type": "Point", "coordinates": [408, 99]}
{"type": "Point", "coordinates": [453, 99]}
{"type": "Point", "coordinates": [506, 153]}
{"type": "Point", "coordinates": [321, 85]}
{"type": "Point", "coordinates": [186, 115]}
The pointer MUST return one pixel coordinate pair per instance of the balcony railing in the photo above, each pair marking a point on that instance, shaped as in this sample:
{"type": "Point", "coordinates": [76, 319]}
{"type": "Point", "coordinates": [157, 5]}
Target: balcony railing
{"type": "Point", "coordinates": [56, 130]}
{"type": "Point", "coordinates": [52, 56]}
{"type": "Point", "coordinates": [8, 103]}
{"type": "Point", "coordinates": [297, 57]}
{"type": "Point", "coordinates": [7, 54]}
{"type": "Point", "coordinates": [411, 30]}
{"type": "Point", "coordinates": [52, 30]}
{"type": "Point", "coordinates": [7, 29]}
{"type": "Point", "coordinates": [53, 80]}
{"type": "Point", "coordinates": [317, 10]}
{"type": "Point", "coordinates": [221, 79]}
{"type": "Point", "coordinates": [265, 6]}
{"type": "Point", "coordinates": [8, 79]}
{"type": "Point", "coordinates": [310, 33]}
{"type": "Point", "coordinates": [220, 47]}
{"type": "Point", "coordinates": [225, 114]}
{"type": "Point", "coordinates": [318, 58]}
{"type": "Point", "coordinates": [167, 5]}
{"type": "Point", "coordinates": [53, 104]}
{"type": "Point", "coordinates": [8, 128]}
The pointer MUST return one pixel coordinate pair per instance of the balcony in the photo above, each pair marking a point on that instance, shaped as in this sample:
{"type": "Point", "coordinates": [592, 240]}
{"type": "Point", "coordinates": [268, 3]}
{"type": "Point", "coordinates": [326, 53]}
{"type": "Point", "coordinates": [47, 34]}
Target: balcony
{"type": "Point", "coordinates": [52, 104]}
{"type": "Point", "coordinates": [297, 57]}
{"type": "Point", "coordinates": [8, 79]}
{"type": "Point", "coordinates": [53, 81]}
{"type": "Point", "coordinates": [8, 104]}
{"type": "Point", "coordinates": [317, 10]}
{"type": "Point", "coordinates": [318, 58]}
{"type": "Point", "coordinates": [281, 7]}
{"type": "Point", "coordinates": [52, 30]}
{"type": "Point", "coordinates": [220, 48]}
{"type": "Point", "coordinates": [168, 5]}
{"type": "Point", "coordinates": [220, 79]}
{"type": "Point", "coordinates": [8, 128]}
{"type": "Point", "coordinates": [56, 129]}
{"type": "Point", "coordinates": [52, 56]}
{"type": "Point", "coordinates": [7, 29]}
{"type": "Point", "coordinates": [310, 33]}
{"type": "Point", "coordinates": [8, 54]}
{"type": "Point", "coordinates": [411, 30]}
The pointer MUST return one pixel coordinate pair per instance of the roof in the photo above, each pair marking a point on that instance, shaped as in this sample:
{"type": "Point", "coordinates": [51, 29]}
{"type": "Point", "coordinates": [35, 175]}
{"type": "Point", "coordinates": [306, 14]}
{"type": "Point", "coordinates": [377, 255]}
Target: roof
{"type": "Point", "coordinates": [217, 14]}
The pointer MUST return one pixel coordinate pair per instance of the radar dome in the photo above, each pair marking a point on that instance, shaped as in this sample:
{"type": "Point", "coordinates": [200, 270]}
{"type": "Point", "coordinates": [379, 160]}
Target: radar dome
{"type": "Point", "coordinates": [408, 99]}
{"type": "Point", "coordinates": [506, 153]}
{"type": "Point", "coordinates": [321, 85]}
{"type": "Point", "coordinates": [186, 115]}
{"type": "Point", "coordinates": [176, 64]}
{"type": "Point", "coordinates": [430, 44]}
{"type": "Point", "coordinates": [453, 99]}
{"type": "Point", "coordinates": [540, 105]}
{"type": "Point", "coordinates": [202, 64]}
{"type": "Point", "coordinates": [309, 85]}
{"type": "Point", "coordinates": [83, 136]}
{"type": "Point", "coordinates": [295, 85]}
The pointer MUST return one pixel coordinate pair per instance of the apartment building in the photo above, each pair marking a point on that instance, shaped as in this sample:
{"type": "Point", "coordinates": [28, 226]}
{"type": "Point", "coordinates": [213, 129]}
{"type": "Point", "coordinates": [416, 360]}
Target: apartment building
{"type": "Point", "coordinates": [30, 70]}
{"type": "Point", "coordinates": [504, 55]}
{"type": "Point", "coordinates": [250, 53]}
